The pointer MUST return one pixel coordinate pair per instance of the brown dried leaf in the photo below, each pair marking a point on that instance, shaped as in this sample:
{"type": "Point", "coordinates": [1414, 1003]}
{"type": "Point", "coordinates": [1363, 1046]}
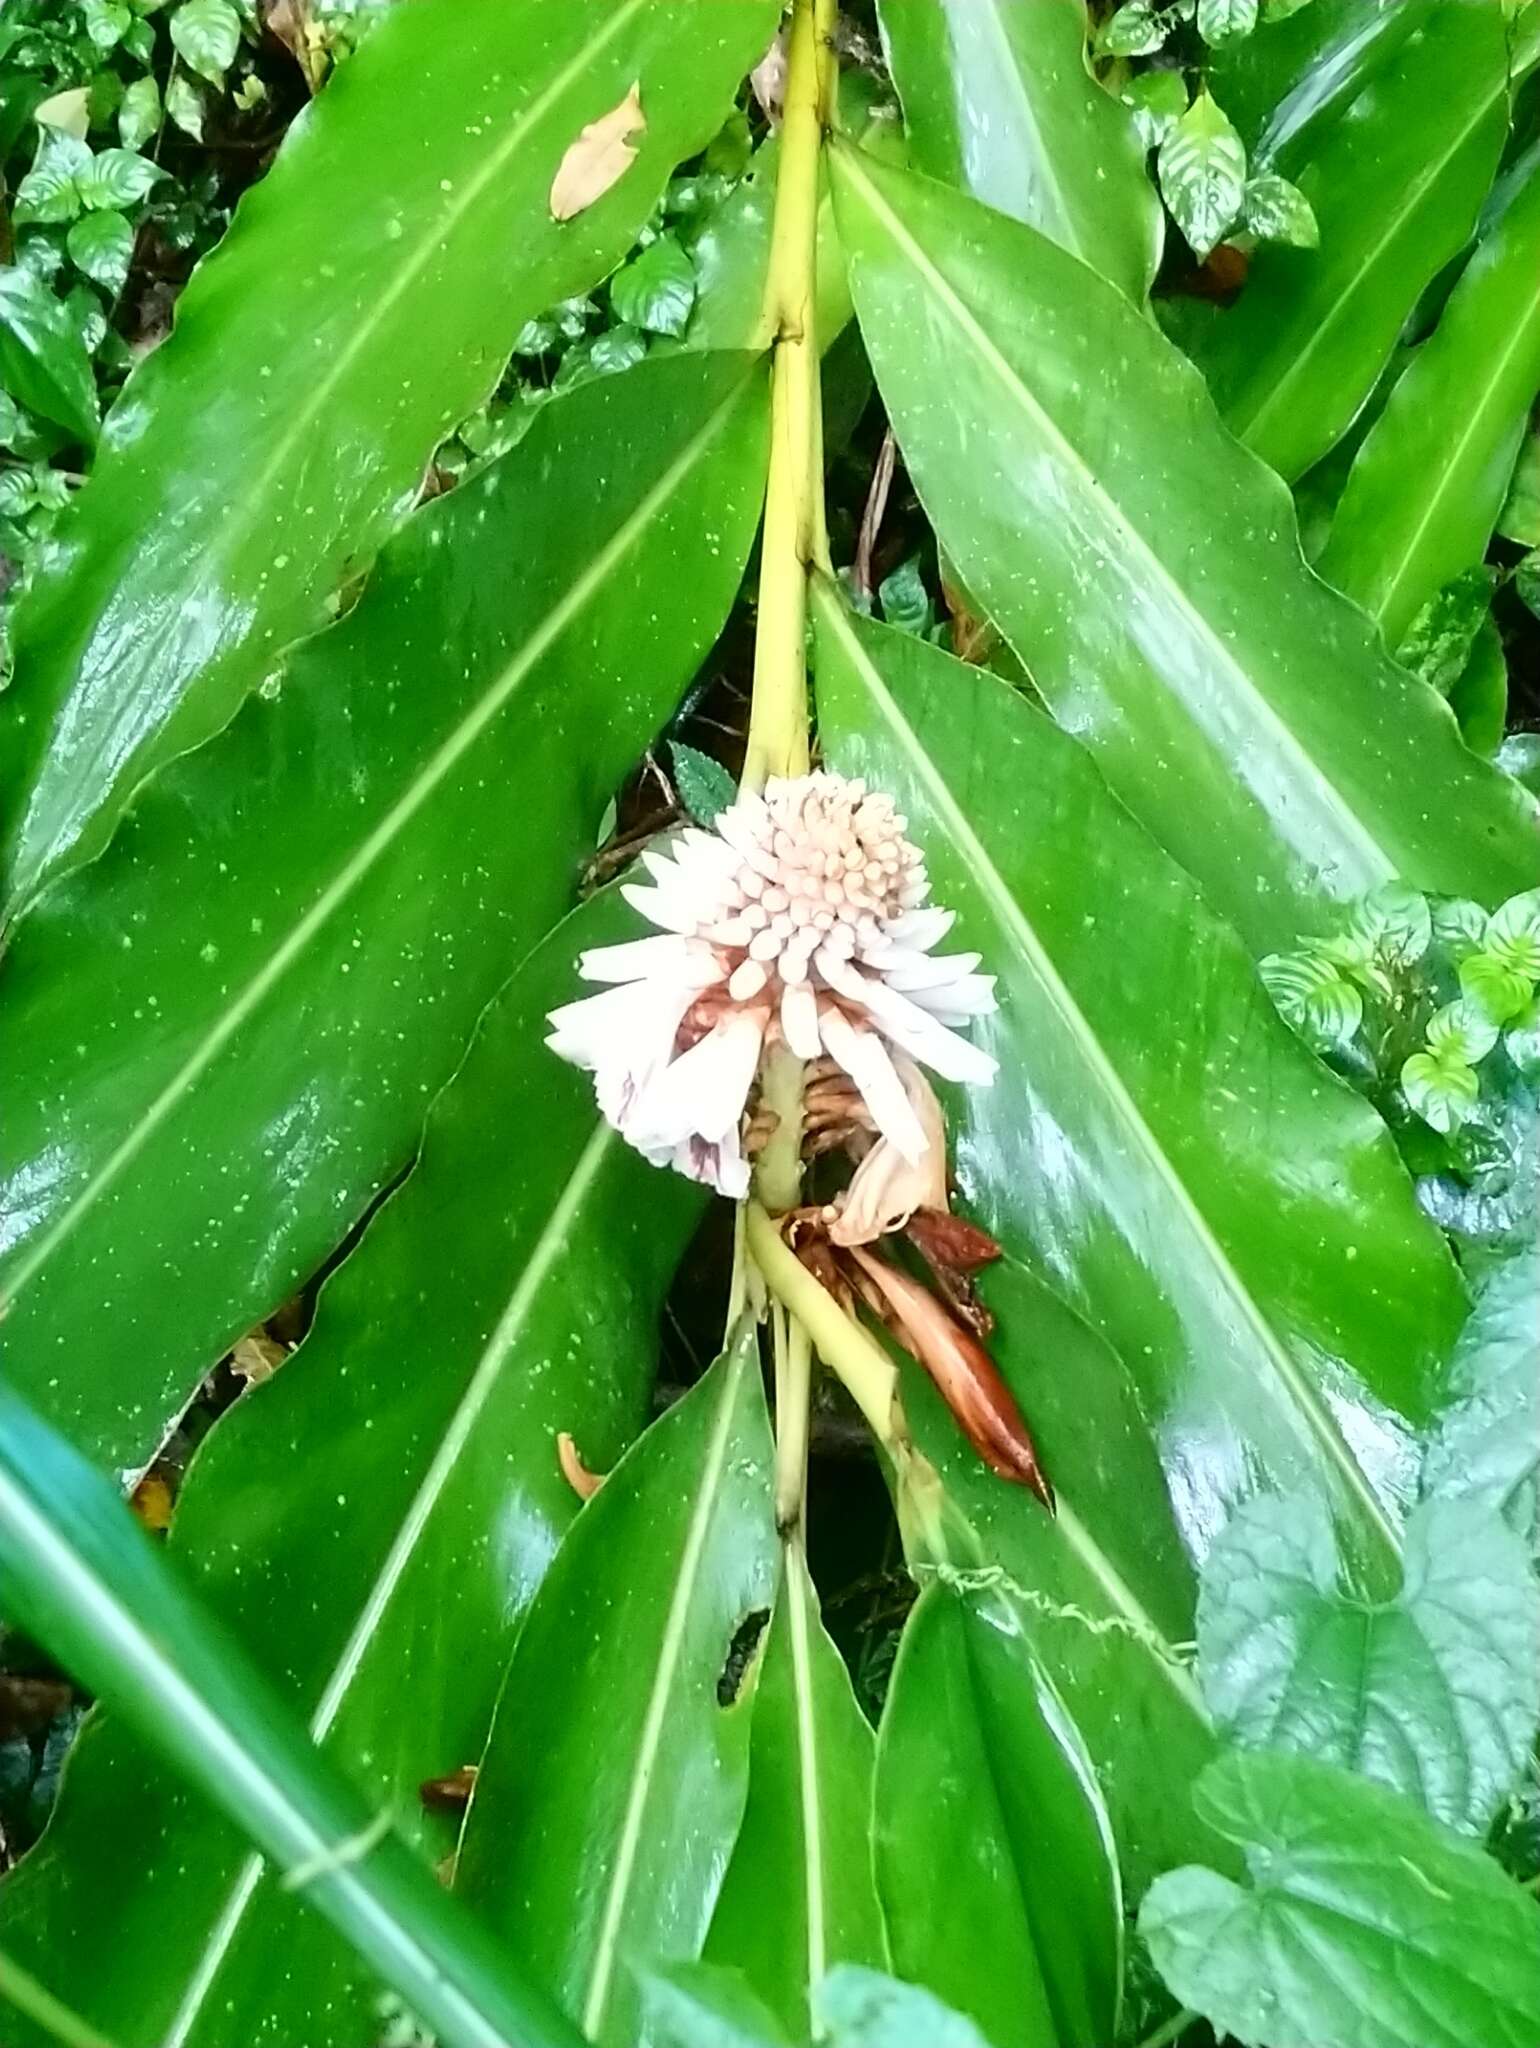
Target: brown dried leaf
{"type": "Point", "coordinates": [153, 1501]}
{"type": "Point", "coordinates": [450, 1794]}
{"type": "Point", "coordinates": [603, 152]}
{"type": "Point", "coordinates": [257, 1357]}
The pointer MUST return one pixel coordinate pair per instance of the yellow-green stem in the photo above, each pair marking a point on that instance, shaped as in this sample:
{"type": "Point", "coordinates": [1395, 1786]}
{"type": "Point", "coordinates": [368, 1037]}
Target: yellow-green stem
{"type": "Point", "coordinates": [794, 519]}
{"type": "Point", "coordinates": [793, 1392]}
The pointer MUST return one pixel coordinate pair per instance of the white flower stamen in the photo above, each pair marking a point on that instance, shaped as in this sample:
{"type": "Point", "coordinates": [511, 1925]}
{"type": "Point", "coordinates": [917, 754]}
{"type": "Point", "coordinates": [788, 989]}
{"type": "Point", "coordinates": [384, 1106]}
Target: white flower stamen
{"type": "Point", "coordinates": [801, 919]}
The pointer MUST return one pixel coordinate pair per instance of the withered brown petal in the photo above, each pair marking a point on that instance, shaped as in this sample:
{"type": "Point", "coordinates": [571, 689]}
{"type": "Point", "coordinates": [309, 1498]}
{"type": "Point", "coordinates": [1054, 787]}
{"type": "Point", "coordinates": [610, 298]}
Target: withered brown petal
{"type": "Point", "coordinates": [966, 1376]}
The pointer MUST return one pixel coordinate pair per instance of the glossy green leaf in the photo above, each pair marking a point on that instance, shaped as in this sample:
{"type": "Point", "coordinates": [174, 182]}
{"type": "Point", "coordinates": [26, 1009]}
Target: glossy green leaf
{"type": "Point", "coordinates": [1435, 1694]}
{"type": "Point", "coordinates": [101, 244]}
{"type": "Point", "coordinates": [1277, 211]}
{"type": "Point", "coordinates": [800, 1894]}
{"type": "Point", "coordinates": [116, 178]}
{"type": "Point", "coordinates": [1158, 1143]}
{"type": "Point", "coordinates": [1437, 643]}
{"type": "Point", "coordinates": [1396, 173]}
{"type": "Point", "coordinates": [1323, 1007]}
{"type": "Point", "coordinates": [1478, 696]}
{"type": "Point", "coordinates": [1442, 1088]}
{"type": "Point", "coordinates": [139, 112]}
{"type": "Point", "coordinates": [704, 786]}
{"type": "Point", "coordinates": [221, 1037]}
{"type": "Point", "coordinates": [998, 100]}
{"type": "Point", "coordinates": [206, 34]}
{"type": "Point", "coordinates": [86, 1583]}
{"type": "Point", "coordinates": [988, 1817]}
{"type": "Point", "coordinates": [1486, 1442]}
{"type": "Point", "coordinates": [1520, 516]}
{"type": "Point", "coordinates": [1309, 64]}
{"type": "Point", "coordinates": [43, 362]}
{"type": "Point", "coordinates": [1222, 21]}
{"type": "Point", "coordinates": [1151, 579]}
{"type": "Point", "coordinates": [1136, 29]}
{"type": "Point", "coordinates": [1103, 1590]}
{"type": "Point", "coordinates": [703, 2005]}
{"type": "Point", "coordinates": [656, 289]}
{"type": "Point", "coordinates": [614, 1781]}
{"type": "Point", "coordinates": [49, 194]}
{"type": "Point", "coordinates": [1202, 165]}
{"type": "Point", "coordinates": [861, 2009]}
{"type": "Point", "coordinates": [386, 1505]}
{"type": "Point", "coordinates": [1430, 480]}
{"type": "Point", "coordinates": [228, 508]}
{"type": "Point", "coordinates": [1359, 1928]}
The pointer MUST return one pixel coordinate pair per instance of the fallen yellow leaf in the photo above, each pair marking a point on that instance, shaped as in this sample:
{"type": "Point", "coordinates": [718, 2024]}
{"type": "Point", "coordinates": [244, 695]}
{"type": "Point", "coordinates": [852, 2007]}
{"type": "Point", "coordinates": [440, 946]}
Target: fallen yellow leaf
{"type": "Point", "coordinates": [602, 153]}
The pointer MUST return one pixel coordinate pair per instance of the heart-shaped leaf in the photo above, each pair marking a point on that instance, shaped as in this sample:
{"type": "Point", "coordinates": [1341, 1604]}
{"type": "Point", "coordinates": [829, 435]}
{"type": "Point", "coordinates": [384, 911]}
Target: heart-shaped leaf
{"type": "Point", "coordinates": [1486, 1442]}
{"type": "Point", "coordinates": [228, 510]}
{"type": "Point", "coordinates": [221, 1036]}
{"type": "Point", "coordinates": [614, 1782]}
{"type": "Point", "coordinates": [379, 1514]}
{"type": "Point", "coordinates": [1436, 1693]}
{"type": "Point", "coordinates": [1192, 669]}
{"type": "Point", "coordinates": [1359, 1927]}
{"type": "Point", "coordinates": [997, 99]}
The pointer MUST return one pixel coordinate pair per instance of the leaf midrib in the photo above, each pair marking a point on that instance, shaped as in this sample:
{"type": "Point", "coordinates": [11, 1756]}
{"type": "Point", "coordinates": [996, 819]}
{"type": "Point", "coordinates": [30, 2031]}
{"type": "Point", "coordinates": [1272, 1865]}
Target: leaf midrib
{"type": "Point", "coordinates": [548, 1246]}
{"type": "Point", "coordinates": [1287, 744]}
{"type": "Point", "coordinates": [814, 1888]}
{"type": "Point", "coordinates": [1304, 1403]}
{"type": "Point", "coordinates": [375, 845]}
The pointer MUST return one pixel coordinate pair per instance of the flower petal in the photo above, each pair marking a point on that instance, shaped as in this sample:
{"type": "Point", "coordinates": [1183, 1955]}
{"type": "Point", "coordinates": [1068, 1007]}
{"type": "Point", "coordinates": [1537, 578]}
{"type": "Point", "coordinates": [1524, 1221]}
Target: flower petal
{"type": "Point", "coordinates": [635, 959]}
{"type": "Point", "coordinates": [702, 1093]}
{"type": "Point", "coordinates": [799, 1020]}
{"type": "Point", "coordinates": [865, 1059]}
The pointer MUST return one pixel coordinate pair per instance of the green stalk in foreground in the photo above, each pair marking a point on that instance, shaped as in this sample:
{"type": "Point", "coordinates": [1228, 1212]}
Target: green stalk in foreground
{"type": "Point", "coordinates": [79, 1575]}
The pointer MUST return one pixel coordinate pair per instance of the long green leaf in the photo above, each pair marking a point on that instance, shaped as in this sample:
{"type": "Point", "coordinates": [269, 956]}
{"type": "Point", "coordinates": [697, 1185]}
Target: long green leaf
{"type": "Point", "coordinates": [998, 99]}
{"type": "Point", "coordinates": [800, 1894]}
{"type": "Point", "coordinates": [372, 1523]}
{"type": "Point", "coordinates": [84, 1581]}
{"type": "Point", "coordinates": [988, 1818]}
{"type": "Point", "coordinates": [1103, 1590]}
{"type": "Point", "coordinates": [1396, 175]}
{"type": "Point", "coordinates": [219, 1038]}
{"type": "Point", "coordinates": [1230, 1217]}
{"type": "Point", "coordinates": [232, 499]}
{"type": "Point", "coordinates": [614, 1782]}
{"type": "Point", "coordinates": [1429, 482]}
{"type": "Point", "coordinates": [1148, 573]}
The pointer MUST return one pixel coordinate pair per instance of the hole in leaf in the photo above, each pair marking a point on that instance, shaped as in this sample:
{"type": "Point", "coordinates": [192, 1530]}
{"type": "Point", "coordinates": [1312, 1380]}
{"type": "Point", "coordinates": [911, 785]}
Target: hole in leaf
{"type": "Point", "coordinates": [740, 1654]}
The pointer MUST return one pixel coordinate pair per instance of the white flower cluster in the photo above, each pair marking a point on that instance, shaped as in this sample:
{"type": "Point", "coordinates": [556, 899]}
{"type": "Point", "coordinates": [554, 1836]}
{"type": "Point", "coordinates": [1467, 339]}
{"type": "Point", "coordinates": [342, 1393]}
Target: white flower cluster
{"type": "Point", "coordinates": [801, 919]}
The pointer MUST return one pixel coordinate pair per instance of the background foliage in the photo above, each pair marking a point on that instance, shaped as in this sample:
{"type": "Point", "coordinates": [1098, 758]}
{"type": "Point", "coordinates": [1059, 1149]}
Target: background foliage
{"type": "Point", "coordinates": [368, 606]}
